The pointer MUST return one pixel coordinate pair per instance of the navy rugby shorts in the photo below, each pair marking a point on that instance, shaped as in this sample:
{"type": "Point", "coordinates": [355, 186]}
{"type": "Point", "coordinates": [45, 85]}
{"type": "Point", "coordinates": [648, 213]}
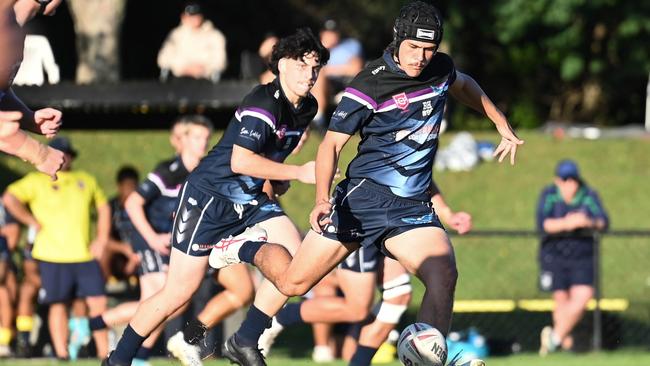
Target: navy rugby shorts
{"type": "Point", "coordinates": [61, 282]}
{"type": "Point", "coordinates": [202, 220]}
{"type": "Point", "coordinates": [368, 213]}
{"type": "Point", "coordinates": [561, 273]}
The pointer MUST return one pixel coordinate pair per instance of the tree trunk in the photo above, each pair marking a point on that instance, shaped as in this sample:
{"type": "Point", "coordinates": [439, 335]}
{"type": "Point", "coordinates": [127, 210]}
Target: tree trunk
{"type": "Point", "coordinates": [97, 26]}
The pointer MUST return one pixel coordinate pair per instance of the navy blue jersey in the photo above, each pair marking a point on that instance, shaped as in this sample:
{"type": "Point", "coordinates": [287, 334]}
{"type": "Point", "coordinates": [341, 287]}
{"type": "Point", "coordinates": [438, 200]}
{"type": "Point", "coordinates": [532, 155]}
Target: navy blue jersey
{"type": "Point", "coordinates": [551, 205]}
{"type": "Point", "coordinates": [398, 117]}
{"type": "Point", "coordinates": [121, 226]}
{"type": "Point", "coordinates": [265, 123]}
{"type": "Point", "coordinates": [159, 190]}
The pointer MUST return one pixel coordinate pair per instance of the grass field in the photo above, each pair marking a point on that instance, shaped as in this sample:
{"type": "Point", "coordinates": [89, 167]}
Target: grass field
{"type": "Point", "coordinates": [498, 196]}
{"type": "Point", "coordinates": [620, 358]}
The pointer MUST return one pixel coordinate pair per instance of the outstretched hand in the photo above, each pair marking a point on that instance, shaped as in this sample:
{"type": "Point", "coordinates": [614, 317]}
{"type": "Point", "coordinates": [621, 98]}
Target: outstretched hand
{"type": "Point", "coordinates": [508, 144]}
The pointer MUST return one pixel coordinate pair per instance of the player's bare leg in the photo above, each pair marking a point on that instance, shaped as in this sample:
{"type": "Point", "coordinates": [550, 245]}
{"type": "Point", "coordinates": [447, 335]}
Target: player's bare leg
{"type": "Point", "coordinates": [569, 309]}
{"type": "Point", "coordinates": [395, 285]}
{"type": "Point", "coordinates": [238, 292]}
{"type": "Point", "coordinates": [323, 342]}
{"type": "Point", "coordinates": [183, 279]}
{"type": "Point", "coordinates": [25, 309]}
{"type": "Point", "coordinates": [427, 253]}
{"type": "Point", "coordinates": [96, 306]}
{"type": "Point", "coordinates": [58, 326]}
{"type": "Point", "coordinates": [315, 257]}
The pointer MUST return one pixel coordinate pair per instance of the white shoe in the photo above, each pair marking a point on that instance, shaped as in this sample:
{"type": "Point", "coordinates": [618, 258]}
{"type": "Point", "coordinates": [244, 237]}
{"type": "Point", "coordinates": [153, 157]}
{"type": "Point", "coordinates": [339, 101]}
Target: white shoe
{"type": "Point", "coordinates": [322, 354]}
{"type": "Point", "coordinates": [226, 252]}
{"type": "Point", "coordinates": [268, 337]}
{"type": "Point", "coordinates": [5, 351]}
{"type": "Point", "coordinates": [187, 354]}
{"type": "Point", "coordinates": [546, 344]}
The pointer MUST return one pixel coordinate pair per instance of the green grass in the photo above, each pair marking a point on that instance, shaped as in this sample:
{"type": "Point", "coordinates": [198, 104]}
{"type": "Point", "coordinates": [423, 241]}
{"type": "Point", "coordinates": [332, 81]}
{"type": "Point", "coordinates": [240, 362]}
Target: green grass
{"type": "Point", "coordinates": [499, 196]}
{"type": "Point", "coordinates": [619, 358]}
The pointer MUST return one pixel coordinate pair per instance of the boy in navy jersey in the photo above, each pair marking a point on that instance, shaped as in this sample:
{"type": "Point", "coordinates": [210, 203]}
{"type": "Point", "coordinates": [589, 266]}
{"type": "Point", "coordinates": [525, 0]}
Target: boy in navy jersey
{"type": "Point", "coordinates": [224, 194]}
{"type": "Point", "coordinates": [396, 104]}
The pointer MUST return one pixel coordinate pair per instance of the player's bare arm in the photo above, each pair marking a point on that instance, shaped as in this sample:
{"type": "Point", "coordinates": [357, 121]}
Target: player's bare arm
{"type": "Point", "coordinates": [134, 206]}
{"type": "Point", "coordinates": [460, 221]}
{"type": "Point", "coordinates": [326, 169]}
{"type": "Point", "coordinates": [46, 121]}
{"type": "Point", "coordinates": [98, 245]}
{"type": "Point", "coordinates": [247, 162]}
{"type": "Point", "coordinates": [466, 90]}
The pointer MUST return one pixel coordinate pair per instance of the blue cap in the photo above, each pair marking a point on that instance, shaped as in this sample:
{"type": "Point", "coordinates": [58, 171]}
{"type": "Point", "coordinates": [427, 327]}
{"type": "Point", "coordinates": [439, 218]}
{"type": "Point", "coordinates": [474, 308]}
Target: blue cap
{"type": "Point", "coordinates": [567, 169]}
{"type": "Point", "coordinates": [63, 144]}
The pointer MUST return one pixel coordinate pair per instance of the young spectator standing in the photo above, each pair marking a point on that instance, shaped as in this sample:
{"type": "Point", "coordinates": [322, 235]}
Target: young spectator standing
{"type": "Point", "coordinates": [568, 212]}
{"type": "Point", "coordinates": [121, 227]}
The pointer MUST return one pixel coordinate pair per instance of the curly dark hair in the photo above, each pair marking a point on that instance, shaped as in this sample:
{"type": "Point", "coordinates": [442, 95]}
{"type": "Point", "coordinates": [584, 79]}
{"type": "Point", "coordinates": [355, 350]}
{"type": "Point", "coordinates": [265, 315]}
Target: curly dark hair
{"type": "Point", "coordinates": [296, 46]}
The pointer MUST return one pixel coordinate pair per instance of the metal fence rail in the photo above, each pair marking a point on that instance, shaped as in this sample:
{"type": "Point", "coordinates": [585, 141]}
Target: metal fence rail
{"type": "Point", "coordinates": [619, 304]}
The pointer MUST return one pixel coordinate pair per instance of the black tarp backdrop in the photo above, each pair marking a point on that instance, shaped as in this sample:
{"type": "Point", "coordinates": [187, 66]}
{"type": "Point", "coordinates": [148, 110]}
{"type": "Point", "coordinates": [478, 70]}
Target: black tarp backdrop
{"type": "Point", "coordinates": [147, 23]}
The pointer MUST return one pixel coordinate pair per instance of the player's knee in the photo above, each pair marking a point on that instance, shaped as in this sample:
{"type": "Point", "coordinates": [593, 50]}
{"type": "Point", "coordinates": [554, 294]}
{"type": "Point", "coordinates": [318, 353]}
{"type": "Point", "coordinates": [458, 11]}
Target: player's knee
{"type": "Point", "coordinates": [358, 314]}
{"type": "Point", "coordinates": [293, 288]}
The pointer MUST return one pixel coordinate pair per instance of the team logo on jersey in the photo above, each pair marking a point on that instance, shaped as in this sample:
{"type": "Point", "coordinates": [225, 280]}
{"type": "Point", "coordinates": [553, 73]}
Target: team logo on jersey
{"type": "Point", "coordinates": [401, 100]}
{"type": "Point", "coordinates": [276, 95]}
{"type": "Point", "coordinates": [250, 133]}
{"type": "Point", "coordinates": [426, 108]}
{"type": "Point", "coordinates": [378, 69]}
{"type": "Point", "coordinates": [281, 132]}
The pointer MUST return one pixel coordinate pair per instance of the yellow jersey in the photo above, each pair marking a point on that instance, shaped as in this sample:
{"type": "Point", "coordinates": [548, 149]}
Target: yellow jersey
{"type": "Point", "coordinates": [63, 208]}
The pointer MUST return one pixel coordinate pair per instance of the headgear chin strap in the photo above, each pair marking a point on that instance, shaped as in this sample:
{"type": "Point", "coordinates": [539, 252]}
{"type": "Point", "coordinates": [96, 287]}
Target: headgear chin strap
{"type": "Point", "coordinates": [418, 21]}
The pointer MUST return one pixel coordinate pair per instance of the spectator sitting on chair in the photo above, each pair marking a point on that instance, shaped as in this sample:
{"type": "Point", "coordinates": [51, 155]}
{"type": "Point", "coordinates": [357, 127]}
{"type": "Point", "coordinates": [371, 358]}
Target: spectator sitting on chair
{"type": "Point", "coordinates": [194, 49]}
{"type": "Point", "coordinates": [346, 60]}
{"type": "Point", "coordinates": [567, 213]}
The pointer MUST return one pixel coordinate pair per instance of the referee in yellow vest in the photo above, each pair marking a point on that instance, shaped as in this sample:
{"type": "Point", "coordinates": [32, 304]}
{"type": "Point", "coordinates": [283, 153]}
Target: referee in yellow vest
{"type": "Point", "coordinates": [61, 211]}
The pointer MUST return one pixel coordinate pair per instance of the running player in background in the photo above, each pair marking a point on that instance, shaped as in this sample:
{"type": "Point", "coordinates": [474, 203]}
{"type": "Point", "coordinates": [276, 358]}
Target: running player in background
{"type": "Point", "coordinates": [15, 116]}
{"type": "Point", "coordinates": [396, 103]}
{"type": "Point", "coordinates": [150, 210]}
{"type": "Point", "coordinates": [225, 194]}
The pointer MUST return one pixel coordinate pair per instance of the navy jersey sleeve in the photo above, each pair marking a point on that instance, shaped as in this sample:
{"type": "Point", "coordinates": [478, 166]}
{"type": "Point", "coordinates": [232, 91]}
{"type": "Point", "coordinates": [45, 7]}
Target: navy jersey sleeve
{"type": "Point", "coordinates": [154, 185]}
{"type": "Point", "coordinates": [258, 121]}
{"type": "Point", "coordinates": [357, 106]}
